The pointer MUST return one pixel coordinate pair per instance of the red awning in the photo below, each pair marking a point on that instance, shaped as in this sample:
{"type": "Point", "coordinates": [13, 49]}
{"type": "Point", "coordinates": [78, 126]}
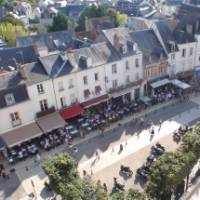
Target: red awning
{"type": "Point", "coordinates": [95, 101]}
{"type": "Point", "coordinates": [86, 92]}
{"type": "Point", "coordinates": [98, 88]}
{"type": "Point", "coordinates": [71, 112]}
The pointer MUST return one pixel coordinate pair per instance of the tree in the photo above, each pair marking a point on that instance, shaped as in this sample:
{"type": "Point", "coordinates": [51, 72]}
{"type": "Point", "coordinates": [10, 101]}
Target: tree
{"type": "Point", "coordinates": [60, 23]}
{"type": "Point", "coordinates": [100, 194]}
{"type": "Point", "coordinates": [8, 32]}
{"type": "Point", "coordinates": [88, 188]}
{"type": "Point", "coordinates": [100, 11]}
{"type": "Point", "coordinates": [133, 194]}
{"type": "Point", "coordinates": [12, 20]}
{"type": "Point", "coordinates": [168, 173]}
{"type": "Point", "coordinates": [63, 176]}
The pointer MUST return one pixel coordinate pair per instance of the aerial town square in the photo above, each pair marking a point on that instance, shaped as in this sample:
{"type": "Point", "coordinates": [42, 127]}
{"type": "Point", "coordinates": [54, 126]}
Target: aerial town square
{"type": "Point", "coordinates": [99, 100]}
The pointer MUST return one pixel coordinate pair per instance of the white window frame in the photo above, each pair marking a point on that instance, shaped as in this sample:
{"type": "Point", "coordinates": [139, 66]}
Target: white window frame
{"type": "Point", "coordinates": [114, 68]}
{"type": "Point", "coordinates": [85, 80]}
{"type": "Point", "coordinates": [60, 86]}
{"type": "Point", "coordinates": [44, 105]}
{"type": "Point", "coordinates": [40, 88]}
{"type": "Point", "coordinates": [96, 77]}
{"type": "Point", "coordinates": [9, 98]}
{"type": "Point", "coordinates": [114, 83]}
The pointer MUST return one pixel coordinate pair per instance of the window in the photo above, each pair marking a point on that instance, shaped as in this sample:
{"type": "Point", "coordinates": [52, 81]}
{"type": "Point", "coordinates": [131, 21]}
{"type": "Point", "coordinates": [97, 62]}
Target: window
{"type": "Point", "coordinates": [85, 80]}
{"type": "Point", "coordinates": [40, 88]}
{"type": "Point", "coordinates": [60, 86]}
{"type": "Point", "coordinates": [114, 69]}
{"type": "Point", "coordinates": [183, 52]}
{"type": "Point", "coordinates": [127, 79]}
{"type": "Point", "coordinates": [191, 51]}
{"type": "Point", "coordinates": [43, 105]}
{"type": "Point", "coordinates": [199, 58]}
{"type": "Point", "coordinates": [62, 101]}
{"type": "Point", "coordinates": [73, 98]}
{"type": "Point", "coordinates": [10, 100]}
{"type": "Point", "coordinates": [173, 56]}
{"type": "Point", "coordinates": [14, 116]}
{"type": "Point", "coordinates": [127, 65]}
{"type": "Point", "coordinates": [96, 76]}
{"type": "Point", "coordinates": [114, 83]}
{"type": "Point", "coordinates": [86, 93]}
{"type": "Point", "coordinates": [71, 84]}
{"type": "Point", "coordinates": [137, 76]}
{"type": "Point", "coordinates": [137, 62]}
{"type": "Point", "coordinates": [15, 119]}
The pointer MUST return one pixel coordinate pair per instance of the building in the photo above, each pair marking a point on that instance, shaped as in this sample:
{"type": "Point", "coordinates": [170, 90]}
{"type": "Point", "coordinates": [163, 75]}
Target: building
{"type": "Point", "coordinates": [49, 42]}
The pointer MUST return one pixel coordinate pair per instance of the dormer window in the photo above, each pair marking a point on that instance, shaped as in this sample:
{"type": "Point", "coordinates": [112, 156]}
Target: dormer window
{"type": "Point", "coordinates": [124, 49]}
{"type": "Point", "coordinates": [135, 47]}
{"type": "Point", "coordinates": [9, 98]}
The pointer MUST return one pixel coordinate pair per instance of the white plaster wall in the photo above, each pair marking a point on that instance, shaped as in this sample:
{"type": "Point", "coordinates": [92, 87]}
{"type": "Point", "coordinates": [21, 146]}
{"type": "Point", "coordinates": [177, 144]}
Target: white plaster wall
{"type": "Point", "coordinates": [26, 114]}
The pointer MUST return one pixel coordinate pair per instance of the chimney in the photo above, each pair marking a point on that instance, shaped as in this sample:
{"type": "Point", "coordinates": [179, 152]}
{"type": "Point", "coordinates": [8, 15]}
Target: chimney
{"type": "Point", "coordinates": [35, 48]}
{"type": "Point", "coordinates": [21, 72]}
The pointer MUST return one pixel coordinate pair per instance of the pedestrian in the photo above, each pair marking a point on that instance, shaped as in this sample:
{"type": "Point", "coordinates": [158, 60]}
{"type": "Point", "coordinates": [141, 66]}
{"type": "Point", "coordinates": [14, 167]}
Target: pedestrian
{"type": "Point", "coordinates": [97, 155]}
{"type": "Point", "coordinates": [84, 173]}
{"type": "Point", "coordinates": [121, 147]}
{"type": "Point", "coordinates": [160, 124]}
{"type": "Point", "coordinates": [105, 188]}
{"type": "Point", "coordinates": [37, 158]}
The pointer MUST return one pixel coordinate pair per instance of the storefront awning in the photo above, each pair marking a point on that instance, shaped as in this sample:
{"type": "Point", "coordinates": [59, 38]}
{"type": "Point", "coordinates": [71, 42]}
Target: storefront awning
{"type": "Point", "coordinates": [160, 83]}
{"type": "Point", "coordinates": [71, 112]}
{"type": "Point", "coordinates": [51, 122]}
{"type": "Point", "coordinates": [95, 101]}
{"type": "Point", "coordinates": [180, 84]}
{"type": "Point", "coordinates": [22, 134]}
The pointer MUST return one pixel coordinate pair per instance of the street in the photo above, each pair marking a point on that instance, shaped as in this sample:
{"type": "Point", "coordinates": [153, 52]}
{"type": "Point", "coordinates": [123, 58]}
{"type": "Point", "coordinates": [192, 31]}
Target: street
{"type": "Point", "coordinates": [136, 144]}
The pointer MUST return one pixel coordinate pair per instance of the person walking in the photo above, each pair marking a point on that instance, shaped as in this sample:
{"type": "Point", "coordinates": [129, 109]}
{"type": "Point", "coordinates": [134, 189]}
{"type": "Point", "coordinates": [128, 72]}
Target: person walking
{"type": "Point", "coordinates": [160, 124]}
{"type": "Point", "coordinates": [105, 188]}
{"type": "Point", "coordinates": [97, 155]}
{"type": "Point", "coordinates": [121, 148]}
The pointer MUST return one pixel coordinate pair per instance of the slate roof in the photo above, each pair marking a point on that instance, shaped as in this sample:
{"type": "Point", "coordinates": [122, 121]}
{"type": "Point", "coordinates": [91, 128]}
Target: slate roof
{"type": "Point", "coordinates": [166, 34]}
{"type": "Point", "coordinates": [148, 43]}
{"type": "Point", "coordinates": [18, 55]}
{"type": "Point", "coordinates": [99, 54]}
{"type": "Point", "coordinates": [104, 22]}
{"type": "Point", "coordinates": [122, 34]}
{"type": "Point", "coordinates": [19, 92]}
{"type": "Point", "coordinates": [35, 73]}
{"type": "Point", "coordinates": [182, 37]}
{"type": "Point", "coordinates": [53, 41]}
{"type": "Point", "coordinates": [10, 79]}
{"type": "Point", "coordinates": [56, 65]}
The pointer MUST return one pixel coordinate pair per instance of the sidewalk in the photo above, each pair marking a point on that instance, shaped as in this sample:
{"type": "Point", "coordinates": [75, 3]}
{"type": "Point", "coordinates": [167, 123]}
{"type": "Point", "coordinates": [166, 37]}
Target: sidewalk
{"type": "Point", "coordinates": [138, 142]}
{"type": "Point", "coordinates": [135, 143]}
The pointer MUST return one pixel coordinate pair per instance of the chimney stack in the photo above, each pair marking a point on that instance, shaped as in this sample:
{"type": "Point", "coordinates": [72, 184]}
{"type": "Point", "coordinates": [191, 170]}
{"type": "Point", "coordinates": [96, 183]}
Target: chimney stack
{"type": "Point", "coordinates": [21, 71]}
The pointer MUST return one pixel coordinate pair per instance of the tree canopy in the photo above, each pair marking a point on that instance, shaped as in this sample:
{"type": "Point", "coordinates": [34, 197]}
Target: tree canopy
{"type": "Point", "coordinates": [9, 32]}
{"type": "Point", "coordinates": [169, 172]}
{"type": "Point", "coordinates": [100, 11]}
{"type": "Point", "coordinates": [60, 23]}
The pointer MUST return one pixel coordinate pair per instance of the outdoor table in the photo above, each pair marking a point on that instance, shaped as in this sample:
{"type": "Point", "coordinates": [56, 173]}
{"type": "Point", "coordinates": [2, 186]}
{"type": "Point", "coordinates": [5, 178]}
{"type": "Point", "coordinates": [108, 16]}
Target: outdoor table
{"type": "Point", "coordinates": [69, 127]}
{"type": "Point", "coordinates": [80, 120]}
{"type": "Point", "coordinates": [85, 124]}
{"type": "Point", "coordinates": [74, 132]}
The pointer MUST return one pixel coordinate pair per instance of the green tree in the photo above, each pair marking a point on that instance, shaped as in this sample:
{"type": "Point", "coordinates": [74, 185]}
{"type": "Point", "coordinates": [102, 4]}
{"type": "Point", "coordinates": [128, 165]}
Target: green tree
{"type": "Point", "coordinates": [8, 32]}
{"type": "Point", "coordinates": [100, 11]}
{"type": "Point", "coordinates": [60, 23]}
{"type": "Point", "coordinates": [168, 173]}
{"type": "Point", "coordinates": [88, 188]}
{"type": "Point", "coordinates": [118, 196]}
{"type": "Point", "coordinates": [63, 176]}
{"type": "Point", "coordinates": [100, 194]}
{"type": "Point", "coordinates": [12, 20]}
{"type": "Point", "coordinates": [133, 194]}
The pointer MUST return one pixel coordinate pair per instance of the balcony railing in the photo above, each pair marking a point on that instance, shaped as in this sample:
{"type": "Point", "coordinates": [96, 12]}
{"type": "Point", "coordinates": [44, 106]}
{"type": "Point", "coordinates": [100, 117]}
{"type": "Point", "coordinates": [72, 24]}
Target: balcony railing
{"type": "Point", "coordinates": [124, 87]}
